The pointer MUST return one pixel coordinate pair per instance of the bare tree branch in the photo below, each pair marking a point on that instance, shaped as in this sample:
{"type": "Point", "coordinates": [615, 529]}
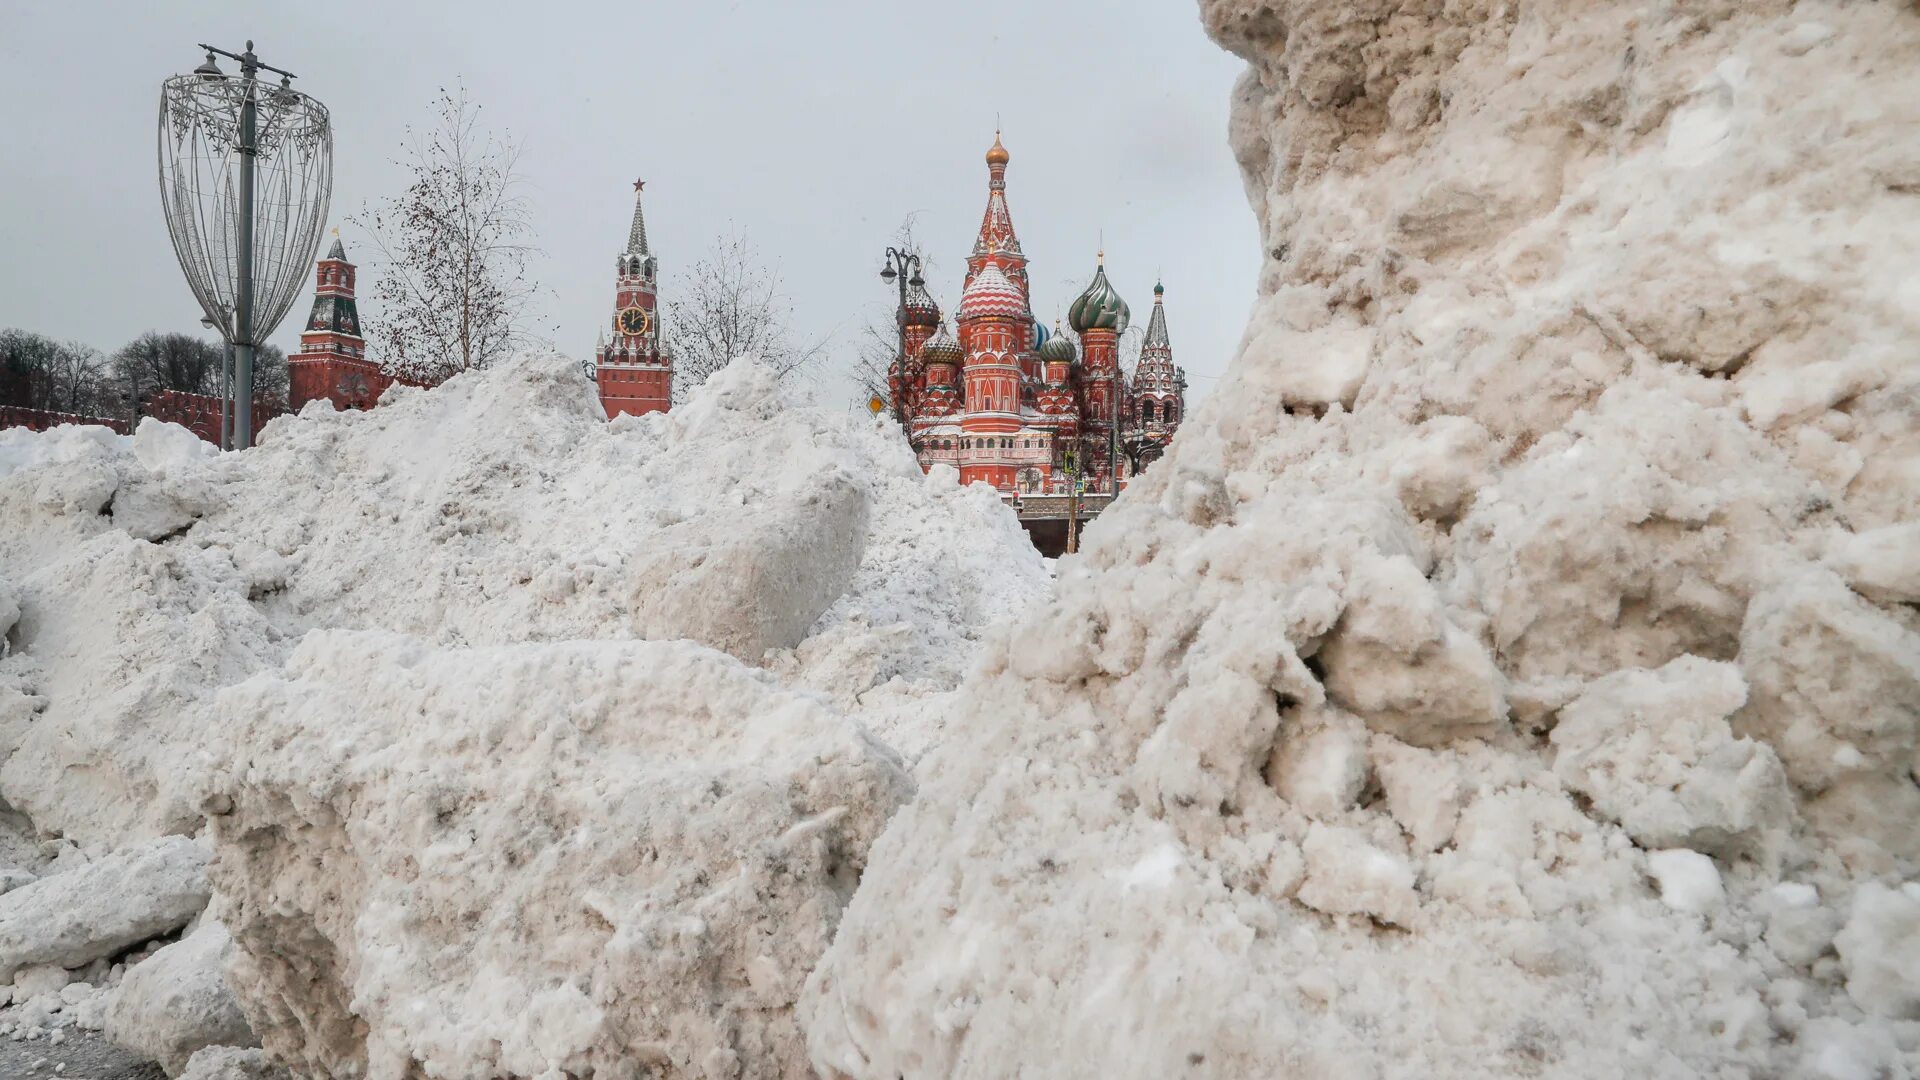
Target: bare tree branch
{"type": "Point", "coordinates": [452, 289]}
{"type": "Point", "coordinates": [728, 307]}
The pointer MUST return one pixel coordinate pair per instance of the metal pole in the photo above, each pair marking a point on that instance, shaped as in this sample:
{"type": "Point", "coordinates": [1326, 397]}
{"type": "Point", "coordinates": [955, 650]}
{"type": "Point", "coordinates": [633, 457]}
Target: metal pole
{"type": "Point", "coordinates": [226, 396]}
{"type": "Point", "coordinates": [243, 302]}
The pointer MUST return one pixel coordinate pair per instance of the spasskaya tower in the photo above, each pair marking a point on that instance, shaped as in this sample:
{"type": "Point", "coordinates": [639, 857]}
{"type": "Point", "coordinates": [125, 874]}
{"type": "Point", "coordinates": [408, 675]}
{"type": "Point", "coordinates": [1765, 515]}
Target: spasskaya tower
{"type": "Point", "coordinates": [633, 370]}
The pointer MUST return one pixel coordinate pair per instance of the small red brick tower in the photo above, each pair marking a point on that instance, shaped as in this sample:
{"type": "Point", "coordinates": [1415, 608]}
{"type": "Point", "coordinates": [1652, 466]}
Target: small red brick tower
{"type": "Point", "coordinates": [332, 363]}
{"type": "Point", "coordinates": [635, 375]}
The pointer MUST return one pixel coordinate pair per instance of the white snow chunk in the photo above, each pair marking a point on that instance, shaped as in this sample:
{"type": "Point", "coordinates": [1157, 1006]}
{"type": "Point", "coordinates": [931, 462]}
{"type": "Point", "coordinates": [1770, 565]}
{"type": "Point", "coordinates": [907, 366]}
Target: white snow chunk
{"type": "Point", "coordinates": [1654, 751]}
{"type": "Point", "coordinates": [1346, 875]}
{"type": "Point", "coordinates": [231, 1063]}
{"type": "Point", "coordinates": [177, 1001]}
{"type": "Point", "coordinates": [1688, 880]}
{"type": "Point", "coordinates": [104, 906]}
{"type": "Point", "coordinates": [1880, 949]}
{"type": "Point", "coordinates": [1881, 564]}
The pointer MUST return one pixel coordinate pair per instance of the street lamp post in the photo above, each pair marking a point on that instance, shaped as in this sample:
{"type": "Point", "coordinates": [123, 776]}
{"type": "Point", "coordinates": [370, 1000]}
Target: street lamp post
{"type": "Point", "coordinates": [902, 267]}
{"type": "Point", "coordinates": [246, 173]}
{"type": "Point", "coordinates": [226, 384]}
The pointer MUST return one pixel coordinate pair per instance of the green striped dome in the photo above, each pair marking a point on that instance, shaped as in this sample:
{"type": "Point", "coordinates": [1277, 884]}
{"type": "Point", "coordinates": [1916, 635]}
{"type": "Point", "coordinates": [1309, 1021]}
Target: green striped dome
{"type": "Point", "coordinates": [1057, 350]}
{"type": "Point", "coordinates": [1099, 308]}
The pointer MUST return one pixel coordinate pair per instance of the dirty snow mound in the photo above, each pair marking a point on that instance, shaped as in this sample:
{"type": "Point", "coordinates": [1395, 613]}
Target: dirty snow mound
{"type": "Point", "coordinates": [526, 860]}
{"type": "Point", "coordinates": [1509, 671]}
{"type": "Point", "coordinates": [498, 508]}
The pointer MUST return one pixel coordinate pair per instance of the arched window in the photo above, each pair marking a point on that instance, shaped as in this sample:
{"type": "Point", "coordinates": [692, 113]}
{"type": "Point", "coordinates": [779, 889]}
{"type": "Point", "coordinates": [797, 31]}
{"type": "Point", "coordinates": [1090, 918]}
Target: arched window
{"type": "Point", "coordinates": [1146, 410]}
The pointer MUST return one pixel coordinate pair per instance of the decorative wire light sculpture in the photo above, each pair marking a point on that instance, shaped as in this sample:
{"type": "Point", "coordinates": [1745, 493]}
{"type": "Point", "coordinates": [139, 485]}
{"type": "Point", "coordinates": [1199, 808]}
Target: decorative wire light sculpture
{"type": "Point", "coordinates": [246, 173]}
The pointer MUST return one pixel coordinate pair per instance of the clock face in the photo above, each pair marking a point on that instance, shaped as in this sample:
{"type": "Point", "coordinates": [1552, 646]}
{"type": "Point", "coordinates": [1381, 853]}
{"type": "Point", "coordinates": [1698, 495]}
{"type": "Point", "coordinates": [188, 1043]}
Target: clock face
{"type": "Point", "coordinates": [634, 321]}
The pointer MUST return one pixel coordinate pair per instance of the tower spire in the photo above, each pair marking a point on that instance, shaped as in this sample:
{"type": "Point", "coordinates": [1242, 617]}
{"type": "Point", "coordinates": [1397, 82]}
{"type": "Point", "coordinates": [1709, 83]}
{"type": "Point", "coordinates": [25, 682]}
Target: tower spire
{"type": "Point", "coordinates": [997, 243]}
{"type": "Point", "coordinates": [637, 235]}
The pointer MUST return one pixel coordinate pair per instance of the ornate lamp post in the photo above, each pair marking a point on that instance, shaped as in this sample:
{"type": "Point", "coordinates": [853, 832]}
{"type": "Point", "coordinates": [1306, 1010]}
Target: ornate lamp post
{"type": "Point", "coordinates": [902, 267]}
{"type": "Point", "coordinates": [246, 172]}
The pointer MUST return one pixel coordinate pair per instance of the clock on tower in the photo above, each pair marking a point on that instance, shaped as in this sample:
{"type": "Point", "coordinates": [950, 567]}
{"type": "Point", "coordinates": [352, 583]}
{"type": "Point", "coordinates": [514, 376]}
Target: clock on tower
{"type": "Point", "coordinates": [634, 374]}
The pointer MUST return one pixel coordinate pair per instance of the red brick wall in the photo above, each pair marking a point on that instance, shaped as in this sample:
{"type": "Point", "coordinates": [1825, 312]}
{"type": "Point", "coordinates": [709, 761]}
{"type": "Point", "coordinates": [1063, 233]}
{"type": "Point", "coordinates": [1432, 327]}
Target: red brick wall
{"type": "Point", "coordinates": [39, 420]}
{"type": "Point", "coordinates": [200, 413]}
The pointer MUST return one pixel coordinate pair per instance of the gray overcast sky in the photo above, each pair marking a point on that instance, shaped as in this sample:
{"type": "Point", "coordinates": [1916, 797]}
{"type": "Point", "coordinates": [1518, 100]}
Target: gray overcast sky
{"type": "Point", "coordinates": [812, 128]}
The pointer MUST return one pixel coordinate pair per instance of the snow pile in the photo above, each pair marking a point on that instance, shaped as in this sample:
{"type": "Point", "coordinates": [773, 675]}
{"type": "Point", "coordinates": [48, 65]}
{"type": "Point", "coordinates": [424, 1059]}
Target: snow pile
{"type": "Point", "coordinates": [531, 740]}
{"type": "Point", "coordinates": [529, 860]}
{"type": "Point", "coordinates": [1513, 670]}
{"type": "Point", "coordinates": [497, 509]}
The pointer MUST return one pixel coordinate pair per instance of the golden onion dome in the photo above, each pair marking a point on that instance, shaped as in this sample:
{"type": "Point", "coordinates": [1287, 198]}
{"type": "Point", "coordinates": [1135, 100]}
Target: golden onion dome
{"type": "Point", "coordinates": [997, 155]}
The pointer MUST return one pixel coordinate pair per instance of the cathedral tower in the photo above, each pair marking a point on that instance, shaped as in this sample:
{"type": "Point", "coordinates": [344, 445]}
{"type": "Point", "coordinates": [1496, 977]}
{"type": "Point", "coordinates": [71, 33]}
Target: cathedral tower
{"type": "Point", "coordinates": [633, 371]}
{"type": "Point", "coordinates": [1159, 387]}
{"type": "Point", "coordinates": [1099, 316]}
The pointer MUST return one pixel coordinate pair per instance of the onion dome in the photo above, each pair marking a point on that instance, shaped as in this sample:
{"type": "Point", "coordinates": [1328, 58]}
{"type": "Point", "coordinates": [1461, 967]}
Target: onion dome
{"type": "Point", "coordinates": [1058, 349]}
{"type": "Point", "coordinates": [941, 348]}
{"type": "Point", "coordinates": [920, 310]}
{"type": "Point", "coordinates": [1100, 307]}
{"type": "Point", "coordinates": [998, 155]}
{"type": "Point", "coordinates": [992, 294]}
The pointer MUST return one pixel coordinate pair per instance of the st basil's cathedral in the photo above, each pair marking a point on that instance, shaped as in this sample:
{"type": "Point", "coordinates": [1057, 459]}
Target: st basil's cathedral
{"type": "Point", "coordinates": [1009, 404]}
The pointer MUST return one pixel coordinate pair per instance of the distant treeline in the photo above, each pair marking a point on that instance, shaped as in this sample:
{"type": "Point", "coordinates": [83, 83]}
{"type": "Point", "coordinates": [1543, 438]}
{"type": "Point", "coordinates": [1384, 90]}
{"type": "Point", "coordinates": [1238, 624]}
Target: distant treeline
{"type": "Point", "coordinates": [38, 372]}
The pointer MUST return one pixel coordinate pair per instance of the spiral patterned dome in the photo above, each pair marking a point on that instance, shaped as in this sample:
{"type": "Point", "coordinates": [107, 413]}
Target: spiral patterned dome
{"type": "Point", "coordinates": [1100, 307]}
{"type": "Point", "coordinates": [992, 294]}
{"type": "Point", "coordinates": [941, 348]}
{"type": "Point", "coordinates": [920, 310]}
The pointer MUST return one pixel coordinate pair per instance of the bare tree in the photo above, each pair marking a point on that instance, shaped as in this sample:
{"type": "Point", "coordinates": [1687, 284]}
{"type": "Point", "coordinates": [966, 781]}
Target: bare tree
{"type": "Point", "coordinates": [27, 364]}
{"type": "Point", "coordinates": [155, 361]}
{"type": "Point", "coordinates": [452, 286]}
{"type": "Point", "coordinates": [83, 381]}
{"type": "Point", "coordinates": [729, 306]}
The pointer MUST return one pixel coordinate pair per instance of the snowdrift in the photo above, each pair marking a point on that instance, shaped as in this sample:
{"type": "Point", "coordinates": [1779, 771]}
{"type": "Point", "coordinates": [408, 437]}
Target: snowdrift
{"type": "Point", "coordinates": [500, 508]}
{"type": "Point", "coordinates": [530, 741]}
{"type": "Point", "coordinates": [1514, 668]}
{"type": "Point", "coordinates": [512, 861]}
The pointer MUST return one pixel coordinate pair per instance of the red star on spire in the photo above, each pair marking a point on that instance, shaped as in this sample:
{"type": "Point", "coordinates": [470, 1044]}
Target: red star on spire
{"type": "Point", "coordinates": [638, 184]}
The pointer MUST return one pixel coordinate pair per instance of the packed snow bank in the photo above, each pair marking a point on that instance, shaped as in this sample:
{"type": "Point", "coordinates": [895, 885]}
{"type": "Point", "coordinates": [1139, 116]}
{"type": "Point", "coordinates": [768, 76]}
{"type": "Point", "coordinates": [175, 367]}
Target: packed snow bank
{"type": "Point", "coordinates": [1506, 671]}
{"type": "Point", "coordinates": [499, 508]}
{"type": "Point", "coordinates": [582, 857]}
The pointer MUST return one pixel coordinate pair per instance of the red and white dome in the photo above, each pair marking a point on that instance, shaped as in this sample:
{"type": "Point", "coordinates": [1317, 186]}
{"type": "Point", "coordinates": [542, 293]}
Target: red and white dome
{"type": "Point", "coordinates": [991, 294]}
